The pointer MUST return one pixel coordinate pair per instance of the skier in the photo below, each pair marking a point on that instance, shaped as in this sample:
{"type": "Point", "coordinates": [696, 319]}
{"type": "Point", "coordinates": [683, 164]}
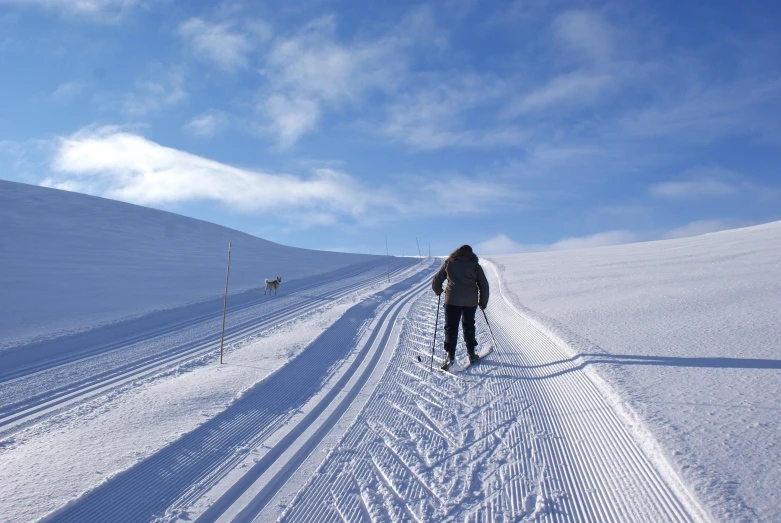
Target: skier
{"type": "Point", "coordinates": [465, 278]}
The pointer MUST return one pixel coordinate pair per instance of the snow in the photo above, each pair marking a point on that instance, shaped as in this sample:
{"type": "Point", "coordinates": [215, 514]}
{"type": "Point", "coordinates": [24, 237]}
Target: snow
{"type": "Point", "coordinates": [688, 333]}
{"type": "Point", "coordinates": [71, 261]}
{"type": "Point", "coordinates": [636, 382]}
{"type": "Point", "coordinates": [59, 399]}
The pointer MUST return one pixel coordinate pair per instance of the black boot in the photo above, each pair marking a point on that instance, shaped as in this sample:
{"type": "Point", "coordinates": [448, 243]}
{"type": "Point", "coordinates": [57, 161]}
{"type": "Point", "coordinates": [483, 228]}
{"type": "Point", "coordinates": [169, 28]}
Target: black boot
{"type": "Point", "coordinates": [448, 362]}
{"type": "Point", "coordinates": [473, 357]}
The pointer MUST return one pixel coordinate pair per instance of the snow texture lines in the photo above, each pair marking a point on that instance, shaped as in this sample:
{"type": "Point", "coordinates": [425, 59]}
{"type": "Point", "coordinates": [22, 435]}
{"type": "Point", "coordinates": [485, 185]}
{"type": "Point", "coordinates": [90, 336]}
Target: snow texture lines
{"type": "Point", "coordinates": [186, 469]}
{"type": "Point", "coordinates": [541, 444]}
{"type": "Point", "coordinates": [43, 378]}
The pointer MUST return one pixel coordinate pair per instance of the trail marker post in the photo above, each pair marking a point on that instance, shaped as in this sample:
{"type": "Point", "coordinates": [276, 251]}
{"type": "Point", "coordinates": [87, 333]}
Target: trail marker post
{"type": "Point", "coordinates": [225, 302]}
{"type": "Point", "coordinates": [416, 241]}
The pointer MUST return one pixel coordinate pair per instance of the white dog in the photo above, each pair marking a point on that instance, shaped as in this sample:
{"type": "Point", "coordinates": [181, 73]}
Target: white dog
{"type": "Point", "coordinates": [272, 285]}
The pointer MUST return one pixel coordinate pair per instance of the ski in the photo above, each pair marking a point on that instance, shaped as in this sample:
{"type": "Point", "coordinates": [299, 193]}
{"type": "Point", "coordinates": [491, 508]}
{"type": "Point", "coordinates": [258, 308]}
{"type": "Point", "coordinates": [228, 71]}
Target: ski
{"type": "Point", "coordinates": [479, 359]}
{"type": "Point", "coordinates": [436, 367]}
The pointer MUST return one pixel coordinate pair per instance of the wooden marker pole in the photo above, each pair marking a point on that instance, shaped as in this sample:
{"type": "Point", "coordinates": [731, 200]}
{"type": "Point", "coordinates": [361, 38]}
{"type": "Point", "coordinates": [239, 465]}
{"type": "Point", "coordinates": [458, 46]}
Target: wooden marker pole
{"type": "Point", "coordinates": [225, 301]}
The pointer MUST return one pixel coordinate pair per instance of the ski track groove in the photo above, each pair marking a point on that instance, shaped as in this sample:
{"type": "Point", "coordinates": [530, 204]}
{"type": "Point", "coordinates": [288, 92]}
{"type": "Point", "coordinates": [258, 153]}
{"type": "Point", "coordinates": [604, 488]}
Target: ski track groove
{"type": "Point", "coordinates": [539, 444]}
{"type": "Point", "coordinates": [543, 444]}
{"type": "Point", "coordinates": [385, 325]}
{"type": "Point", "coordinates": [17, 415]}
{"type": "Point", "coordinates": [181, 471]}
{"type": "Point", "coordinates": [247, 299]}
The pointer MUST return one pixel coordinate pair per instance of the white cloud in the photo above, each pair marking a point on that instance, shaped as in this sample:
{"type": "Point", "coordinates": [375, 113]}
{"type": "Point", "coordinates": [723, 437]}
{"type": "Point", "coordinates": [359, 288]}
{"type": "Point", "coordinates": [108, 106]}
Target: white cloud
{"type": "Point", "coordinates": [435, 117]}
{"type": "Point", "coordinates": [578, 88]}
{"type": "Point", "coordinates": [701, 113]}
{"type": "Point", "coordinates": [700, 182]}
{"type": "Point", "coordinates": [115, 164]}
{"type": "Point", "coordinates": [502, 244]}
{"type": "Point", "coordinates": [692, 189]}
{"type": "Point", "coordinates": [311, 70]}
{"type": "Point", "coordinates": [586, 32]}
{"type": "Point", "coordinates": [601, 239]}
{"type": "Point", "coordinates": [699, 228]}
{"type": "Point", "coordinates": [207, 124]}
{"type": "Point", "coordinates": [66, 90]}
{"type": "Point", "coordinates": [216, 43]}
{"type": "Point", "coordinates": [290, 117]}
{"type": "Point", "coordinates": [104, 10]}
{"type": "Point", "coordinates": [160, 86]}
{"type": "Point", "coordinates": [456, 194]}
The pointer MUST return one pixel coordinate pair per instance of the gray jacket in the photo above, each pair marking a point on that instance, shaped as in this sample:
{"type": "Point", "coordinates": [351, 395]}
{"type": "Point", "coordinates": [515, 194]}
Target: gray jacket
{"type": "Point", "coordinates": [465, 278]}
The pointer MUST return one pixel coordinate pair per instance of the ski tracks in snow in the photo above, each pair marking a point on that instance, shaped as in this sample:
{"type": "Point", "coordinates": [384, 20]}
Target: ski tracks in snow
{"type": "Point", "coordinates": [311, 391]}
{"type": "Point", "coordinates": [42, 379]}
{"type": "Point", "coordinates": [542, 443]}
{"type": "Point", "coordinates": [355, 429]}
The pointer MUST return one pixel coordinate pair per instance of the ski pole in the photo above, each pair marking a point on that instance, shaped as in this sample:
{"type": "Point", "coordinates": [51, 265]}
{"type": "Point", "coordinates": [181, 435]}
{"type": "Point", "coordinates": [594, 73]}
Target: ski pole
{"type": "Point", "coordinates": [496, 347]}
{"type": "Point", "coordinates": [436, 322]}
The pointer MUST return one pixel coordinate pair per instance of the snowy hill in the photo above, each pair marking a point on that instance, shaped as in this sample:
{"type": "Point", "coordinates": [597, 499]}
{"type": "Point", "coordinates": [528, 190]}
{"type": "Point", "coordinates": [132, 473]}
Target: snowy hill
{"type": "Point", "coordinates": [689, 332]}
{"type": "Point", "coordinates": [70, 261]}
{"type": "Point", "coordinates": [628, 383]}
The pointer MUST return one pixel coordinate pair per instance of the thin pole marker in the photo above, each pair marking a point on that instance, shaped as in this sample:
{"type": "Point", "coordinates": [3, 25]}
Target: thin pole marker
{"type": "Point", "coordinates": [225, 302]}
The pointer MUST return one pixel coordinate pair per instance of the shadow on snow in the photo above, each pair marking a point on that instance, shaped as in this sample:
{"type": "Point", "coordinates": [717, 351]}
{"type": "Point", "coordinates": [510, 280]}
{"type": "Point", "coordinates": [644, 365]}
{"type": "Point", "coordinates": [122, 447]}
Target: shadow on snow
{"type": "Point", "coordinates": [202, 456]}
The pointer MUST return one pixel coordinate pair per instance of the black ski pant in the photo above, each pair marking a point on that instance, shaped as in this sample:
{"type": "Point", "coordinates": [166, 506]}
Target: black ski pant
{"type": "Point", "coordinates": [453, 315]}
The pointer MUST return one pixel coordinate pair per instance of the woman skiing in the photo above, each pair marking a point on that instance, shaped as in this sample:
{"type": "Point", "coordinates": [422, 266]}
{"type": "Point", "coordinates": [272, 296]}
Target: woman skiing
{"type": "Point", "coordinates": [467, 288]}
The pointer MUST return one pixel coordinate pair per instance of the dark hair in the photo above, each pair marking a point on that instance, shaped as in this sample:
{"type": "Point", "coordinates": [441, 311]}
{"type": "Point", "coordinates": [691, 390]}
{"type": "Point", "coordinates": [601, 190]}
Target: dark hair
{"type": "Point", "coordinates": [461, 251]}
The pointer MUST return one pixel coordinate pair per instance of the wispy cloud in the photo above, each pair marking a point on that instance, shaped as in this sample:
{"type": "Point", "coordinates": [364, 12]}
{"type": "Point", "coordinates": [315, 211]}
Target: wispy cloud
{"type": "Point", "coordinates": [99, 10]}
{"type": "Point", "coordinates": [454, 194]}
{"type": "Point", "coordinates": [502, 244]}
{"type": "Point", "coordinates": [574, 88]}
{"type": "Point", "coordinates": [693, 112]}
{"type": "Point", "coordinates": [439, 113]}
{"type": "Point", "coordinates": [692, 189]}
{"type": "Point", "coordinates": [207, 124]}
{"type": "Point", "coordinates": [67, 90]}
{"type": "Point", "coordinates": [158, 87]}
{"type": "Point", "coordinates": [601, 239]}
{"type": "Point", "coordinates": [586, 32]}
{"type": "Point", "coordinates": [290, 117]}
{"type": "Point", "coordinates": [701, 182]}
{"type": "Point", "coordinates": [115, 164]}
{"type": "Point", "coordinates": [312, 69]}
{"type": "Point", "coordinates": [218, 43]}
{"type": "Point", "coordinates": [700, 227]}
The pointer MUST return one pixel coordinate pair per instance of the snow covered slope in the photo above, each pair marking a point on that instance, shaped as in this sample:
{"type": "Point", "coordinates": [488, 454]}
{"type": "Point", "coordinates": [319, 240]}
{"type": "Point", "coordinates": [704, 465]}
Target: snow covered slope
{"type": "Point", "coordinates": [690, 332]}
{"type": "Point", "coordinates": [323, 409]}
{"type": "Point", "coordinates": [68, 261]}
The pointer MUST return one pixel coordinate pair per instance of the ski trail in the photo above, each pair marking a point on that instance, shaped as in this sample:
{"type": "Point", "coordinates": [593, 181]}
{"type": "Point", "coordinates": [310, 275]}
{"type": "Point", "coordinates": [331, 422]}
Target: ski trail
{"type": "Point", "coordinates": [541, 443]}
{"type": "Point", "coordinates": [33, 387]}
{"type": "Point", "coordinates": [183, 471]}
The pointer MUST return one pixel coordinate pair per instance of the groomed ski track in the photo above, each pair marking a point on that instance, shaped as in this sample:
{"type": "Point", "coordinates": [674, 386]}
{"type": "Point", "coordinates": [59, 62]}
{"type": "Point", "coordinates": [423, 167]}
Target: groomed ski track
{"type": "Point", "coordinates": [41, 379]}
{"type": "Point", "coordinates": [185, 470]}
{"type": "Point", "coordinates": [531, 438]}
{"type": "Point", "coordinates": [355, 429]}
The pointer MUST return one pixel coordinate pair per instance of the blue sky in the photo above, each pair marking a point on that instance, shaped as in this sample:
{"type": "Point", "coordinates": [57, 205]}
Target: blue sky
{"type": "Point", "coordinates": [512, 126]}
